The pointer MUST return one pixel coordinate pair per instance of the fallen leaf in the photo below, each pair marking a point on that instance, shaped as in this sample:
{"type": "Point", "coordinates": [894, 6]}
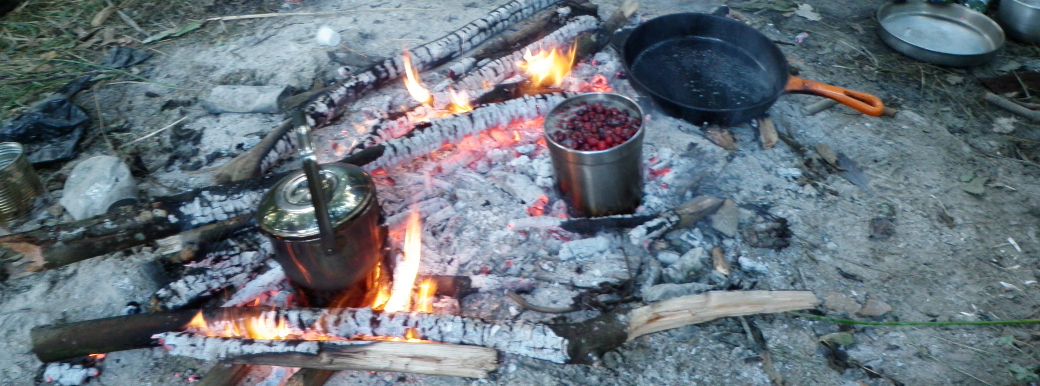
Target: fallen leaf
{"type": "Point", "coordinates": [721, 137]}
{"type": "Point", "coordinates": [1010, 66]}
{"type": "Point", "coordinates": [857, 27]}
{"type": "Point", "coordinates": [718, 260]}
{"type": "Point", "coordinates": [806, 11]}
{"type": "Point", "coordinates": [825, 151]}
{"type": "Point", "coordinates": [841, 338]}
{"type": "Point", "coordinates": [874, 307]}
{"type": "Point", "coordinates": [977, 186]}
{"type": "Point", "coordinates": [103, 15]}
{"type": "Point", "coordinates": [853, 172]}
{"type": "Point", "coordinates": [767, 133]}
{"type": "Point", "coordinates": [1004, 125]}
{"type": "Point", "coordinates": [954, 79]}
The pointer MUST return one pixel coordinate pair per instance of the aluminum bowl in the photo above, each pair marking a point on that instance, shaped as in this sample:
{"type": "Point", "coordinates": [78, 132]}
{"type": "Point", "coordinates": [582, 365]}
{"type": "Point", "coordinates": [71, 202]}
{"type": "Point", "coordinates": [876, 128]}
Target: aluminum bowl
{"type": "Point", "coordinates": [1020, 19]}
{"type": "Point", "coordinates": [943, 34]}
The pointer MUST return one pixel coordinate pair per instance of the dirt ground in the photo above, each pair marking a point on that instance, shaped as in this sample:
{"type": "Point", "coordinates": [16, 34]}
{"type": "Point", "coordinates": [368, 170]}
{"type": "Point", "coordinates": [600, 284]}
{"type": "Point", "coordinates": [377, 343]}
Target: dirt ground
{"type": "Point", "coordinates": [913, 238]}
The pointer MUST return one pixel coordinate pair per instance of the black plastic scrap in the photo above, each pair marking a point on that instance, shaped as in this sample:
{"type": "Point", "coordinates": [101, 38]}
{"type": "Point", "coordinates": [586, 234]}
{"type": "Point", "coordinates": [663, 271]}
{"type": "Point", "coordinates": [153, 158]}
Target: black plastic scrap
{"type": "Point", "coordinates": [51, 129]}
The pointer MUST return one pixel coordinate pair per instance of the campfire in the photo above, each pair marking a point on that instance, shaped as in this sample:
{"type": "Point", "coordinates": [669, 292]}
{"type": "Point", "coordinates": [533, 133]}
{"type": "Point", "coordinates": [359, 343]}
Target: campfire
{"type": "Point", "coordinates": [484, 117]}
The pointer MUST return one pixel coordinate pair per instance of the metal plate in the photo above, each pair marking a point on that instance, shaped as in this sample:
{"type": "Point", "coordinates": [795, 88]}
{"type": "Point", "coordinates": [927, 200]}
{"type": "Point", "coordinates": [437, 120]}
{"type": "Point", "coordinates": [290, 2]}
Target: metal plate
{"type": "Point", "coordinates": [945, 34]}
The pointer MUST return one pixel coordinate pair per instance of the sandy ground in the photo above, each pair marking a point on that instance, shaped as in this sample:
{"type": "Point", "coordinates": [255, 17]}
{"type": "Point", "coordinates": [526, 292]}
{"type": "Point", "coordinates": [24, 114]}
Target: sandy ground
{"type": "Point", "coordinates": [948, 258]}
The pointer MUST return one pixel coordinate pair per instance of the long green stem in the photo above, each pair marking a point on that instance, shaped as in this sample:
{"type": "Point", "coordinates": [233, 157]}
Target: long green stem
{"type": "Point", "coordinates": [114, 70]}
{"type": "Point", "coordinates": [981, 323]}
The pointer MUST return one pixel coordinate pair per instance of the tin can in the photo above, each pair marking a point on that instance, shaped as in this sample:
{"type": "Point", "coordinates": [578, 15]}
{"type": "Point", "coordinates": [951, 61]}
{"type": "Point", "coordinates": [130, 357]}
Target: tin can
{"type": "Point", "coordinates": [19, 185]}
{"type": "Point", "coordinates": [286, 215]}
{"type": "Point", "coordinates": [603, 182]}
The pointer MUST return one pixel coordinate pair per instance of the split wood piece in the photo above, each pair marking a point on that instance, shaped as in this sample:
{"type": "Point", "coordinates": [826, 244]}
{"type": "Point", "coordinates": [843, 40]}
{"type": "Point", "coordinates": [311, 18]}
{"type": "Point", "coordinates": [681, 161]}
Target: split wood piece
{"type": "Point", "coordinates": [713, 305]}
{"type": "Point", "coordinates": [718, 261]}
{"type": "Point", "coordinates": [412, 357]}
{"type": "Point", "coordinates": [224, 375]}
{"type": "Point", "coordinates": [591, 44]}
{"type": "Point", "coordinates": [534, 28]}
{"type": "Point", "coordinates": [682, 216]}
{"type": "Point", "coordinates": [767, 132]}
{"type": "Point", "coordinates": [722, 137]}
{"type": "Point", "coordinates": [260, 157]}
{"type": "Point", "coordinates": [309, 377]}
{"type": "Point", "coordinates": [228, 267]}
{"type": "Point", "coordinates": [1012, 107]}
{"type": "Point", "coordinates": [424, 57]}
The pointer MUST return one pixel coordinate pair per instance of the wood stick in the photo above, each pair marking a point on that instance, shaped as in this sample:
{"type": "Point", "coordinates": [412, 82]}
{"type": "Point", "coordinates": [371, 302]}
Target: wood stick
{"type": "Point", "coordinates": [224, 375]}
{"type": "Point", "coordinates": [713, 305]}
{"type": "Point", "coordinates": [309, 377]}
{"type": "Point", "coordinates": [70, 340]}
{"type": "Point", "coordinates": [767, 132]}
{"type": "Point", "coordinates": [1012, 107]}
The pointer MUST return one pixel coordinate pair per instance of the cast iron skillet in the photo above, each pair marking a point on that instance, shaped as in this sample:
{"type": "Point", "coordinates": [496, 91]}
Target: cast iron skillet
{"type": "Point", "coordinates": [705, 68]}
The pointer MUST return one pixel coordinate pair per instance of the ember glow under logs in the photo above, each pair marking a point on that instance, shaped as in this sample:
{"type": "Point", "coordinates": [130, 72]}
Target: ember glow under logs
{"type": "Point", "coordinates": [607, 178]}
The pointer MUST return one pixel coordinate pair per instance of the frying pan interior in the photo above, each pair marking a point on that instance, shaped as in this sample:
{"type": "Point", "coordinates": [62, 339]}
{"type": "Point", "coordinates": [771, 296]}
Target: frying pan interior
{"type": "Point", "coordinates": [718, 66]}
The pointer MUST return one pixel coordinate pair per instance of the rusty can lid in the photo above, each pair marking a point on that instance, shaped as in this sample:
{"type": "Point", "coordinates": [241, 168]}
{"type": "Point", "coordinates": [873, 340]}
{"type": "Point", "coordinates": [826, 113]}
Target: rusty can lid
{"type": "Point", "coordinates": [286, 210]}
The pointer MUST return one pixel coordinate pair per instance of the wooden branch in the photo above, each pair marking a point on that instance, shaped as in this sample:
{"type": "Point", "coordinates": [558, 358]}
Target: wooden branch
{"type": "Point", "coordinates": [309, 377]}
{"type": "Point", "coordinates": [682, 216]}
{"type": "Point", "coordinates": [70, 340]}
{"type": "Point", "coordinates": [1012, 107]}
{"type": "Point", "coordinates": [706, 307]}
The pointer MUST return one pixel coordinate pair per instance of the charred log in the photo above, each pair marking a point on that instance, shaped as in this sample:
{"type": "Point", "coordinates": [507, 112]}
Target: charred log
{"type": "Point", "coordinates": [70, 340]}
{"type": "Point", "coordinates": [230, 266]}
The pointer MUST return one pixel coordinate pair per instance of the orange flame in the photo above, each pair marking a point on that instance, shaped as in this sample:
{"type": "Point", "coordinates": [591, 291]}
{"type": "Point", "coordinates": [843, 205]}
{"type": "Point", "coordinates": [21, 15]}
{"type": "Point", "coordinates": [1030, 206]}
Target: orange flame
{"type": "Point", "coordinates": [459, 101]}
{"type": "Point", "coordinates": [411, 82]}
{"type": "Point", "coordinates": [424, 301]}
{"type": "Point", "coordinates": [548, 67]}
{"type": "Point", "coordinates": [404, 274]}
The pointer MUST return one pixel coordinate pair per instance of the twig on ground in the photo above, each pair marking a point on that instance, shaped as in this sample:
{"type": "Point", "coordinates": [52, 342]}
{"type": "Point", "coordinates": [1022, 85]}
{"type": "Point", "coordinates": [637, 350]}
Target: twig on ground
{"type": "Point", "coordinates": [528, 306]}
{"type": "Point", "coordinates": [155, 132]}
{"type": "Point", "coordinates": [269, 15]}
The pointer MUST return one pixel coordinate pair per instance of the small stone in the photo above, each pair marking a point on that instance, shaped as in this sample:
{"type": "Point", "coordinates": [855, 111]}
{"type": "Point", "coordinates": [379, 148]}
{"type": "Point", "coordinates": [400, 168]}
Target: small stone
{"type": "Point", "coordinates": [753, 266]}
{"type": "Point", "coordinates": [667, 257]}
{"type": "Point", "coordinates": [55, 210]}
{"type": "Point", "coordinates": [726, 219]}
{"type": "Point", "coordinates": [977, 186]}
{"type": "Point", "coordinates": [874, 307]}
{"type": "Point", "coordinates": [688, 267]}
{"type": "Point", "coordinates": [840, 302]}
{"type": "Point", "coordinates": [96, 185]}
{"type": "Point", "coordinates": [841, 338]}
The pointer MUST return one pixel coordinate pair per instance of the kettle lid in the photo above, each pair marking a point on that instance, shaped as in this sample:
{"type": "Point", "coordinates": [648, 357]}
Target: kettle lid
{"type": "Point", "coordinates": [286, 209]}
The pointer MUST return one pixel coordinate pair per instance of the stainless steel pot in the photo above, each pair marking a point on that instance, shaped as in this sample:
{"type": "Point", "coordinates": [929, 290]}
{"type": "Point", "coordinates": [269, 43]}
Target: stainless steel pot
{"type": "Point", "coordinates": [1020, 19]}
{"type": "Point", "coordinates": [944, 34]}
{"type": "Point", "coordinates": [288, 217]}
{"type": "Point", "coordinates": [599, 183]}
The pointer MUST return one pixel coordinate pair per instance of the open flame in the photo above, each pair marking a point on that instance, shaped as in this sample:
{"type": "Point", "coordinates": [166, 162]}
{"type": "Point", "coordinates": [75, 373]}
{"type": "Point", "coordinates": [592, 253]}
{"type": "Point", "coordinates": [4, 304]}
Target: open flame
{"type": "Point", "coordinates": [404, 274]}
{"type": "Point", "coordinates": [459, 101]}
{"type": "Point", "coordinates": [548, 68]}
{"type": "Point", "coordinates": [411, 82]}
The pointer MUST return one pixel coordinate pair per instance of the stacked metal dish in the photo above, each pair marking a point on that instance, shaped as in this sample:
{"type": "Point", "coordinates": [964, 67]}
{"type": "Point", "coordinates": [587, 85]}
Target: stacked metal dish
{"type": "Point", "coordinates": [944, 34]}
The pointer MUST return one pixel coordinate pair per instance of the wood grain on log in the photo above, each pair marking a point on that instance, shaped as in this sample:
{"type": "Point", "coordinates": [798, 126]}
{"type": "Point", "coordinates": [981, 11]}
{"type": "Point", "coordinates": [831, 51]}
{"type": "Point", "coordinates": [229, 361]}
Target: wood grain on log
{"type": "Point", "coordinates": [309, 377]}
{"type": "Point", "coordinates": [412, 357]}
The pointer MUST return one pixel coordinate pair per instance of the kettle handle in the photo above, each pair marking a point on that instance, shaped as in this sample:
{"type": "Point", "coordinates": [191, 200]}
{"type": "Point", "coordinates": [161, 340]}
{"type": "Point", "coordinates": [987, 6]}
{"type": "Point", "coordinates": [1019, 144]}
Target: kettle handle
{"type": "Point", "coordinates": [314, 181]}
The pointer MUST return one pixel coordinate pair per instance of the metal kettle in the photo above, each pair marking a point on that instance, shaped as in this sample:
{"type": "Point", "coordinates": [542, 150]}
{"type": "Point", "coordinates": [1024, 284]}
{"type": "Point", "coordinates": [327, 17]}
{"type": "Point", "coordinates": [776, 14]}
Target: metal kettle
{"type": "Point", "coordinates": [324, 221]}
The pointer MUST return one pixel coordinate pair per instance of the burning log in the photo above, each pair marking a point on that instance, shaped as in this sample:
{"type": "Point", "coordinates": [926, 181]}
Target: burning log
{"type": "Point", "coordinates": [452, 128]}
{"type": "Point", "coordinates": [422, 358]}
{"type": "Point", "coordinates": [228, 267]}
{"type": "Point", "coordinates": [200, 215]}
{"type": "Point", "coordinates": [426, 56]}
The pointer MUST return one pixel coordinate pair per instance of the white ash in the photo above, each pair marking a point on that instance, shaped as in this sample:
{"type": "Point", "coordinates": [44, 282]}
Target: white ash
{"type": "Point", "coordinates": [209, 207]}
{"type": "Point", "coordinates": [67, 374]}
{"type": "Point", "coordinates": [229, 267]}
{"type": "Point", "coordinates": [210, 348]}
{"type": "Point", "coordinates": [687, 268]}
{"type": "Point", "coordinates": [586, 248]}
{"type": "Point", "coordinates": [271, 280]}
{"type": "Point", "coordinates": [751, 265]}
{"type": "Point", "coordinates": [641, 235]}
{"type": "Point", "coordinates": [671, 290]}
{"type": "Point", "coordinates": [540, 222]}
{"type": "Point", "coordinates": [518, 185]}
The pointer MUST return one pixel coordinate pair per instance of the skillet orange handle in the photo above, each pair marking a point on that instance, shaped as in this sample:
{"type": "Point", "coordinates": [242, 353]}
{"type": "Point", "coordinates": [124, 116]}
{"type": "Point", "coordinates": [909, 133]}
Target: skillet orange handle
{"type": "Point", "coordinates": [861, 101]}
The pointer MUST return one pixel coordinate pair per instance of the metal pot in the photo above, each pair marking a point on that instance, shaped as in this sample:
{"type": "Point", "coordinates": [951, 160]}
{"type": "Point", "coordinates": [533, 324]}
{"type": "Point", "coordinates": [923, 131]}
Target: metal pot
{"type": "Point", "coordinates": [944, 34]}
{"type": "Point", "coordinates": [604, 182]}
{"type": "Point", "coordinates": [288, 217]}
{"type": "Point", "coordinates": [1021, 19]}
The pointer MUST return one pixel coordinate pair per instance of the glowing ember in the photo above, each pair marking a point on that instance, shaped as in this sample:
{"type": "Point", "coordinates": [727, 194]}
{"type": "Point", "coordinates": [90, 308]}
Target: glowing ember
{"type": "Point", "coordinates": [599, 84]}
{"type": "Point", "coordinates": [411, 82]}
{"type": "Point", "coordinates": [538, 207]}
{"type": "Point", "coordinates": [548, 68]}
{"type": "Point", "coordinates": [404, 274]}
{"type": "Point", "coordinates": [459, 102]}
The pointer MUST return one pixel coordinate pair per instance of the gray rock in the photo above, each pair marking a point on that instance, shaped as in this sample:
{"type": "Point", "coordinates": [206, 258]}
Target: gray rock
{"type": "Point", "coordinates": [667, 257]}
{"type": "Point", "coordinates": [244, 99]}
{"type": "Point", "coordinates": [689, 266]}
{"type": "Point", "coordinates": [96, 185]}
{"type": "Point", "coordinates": [669, 290]}
{"type": "Point", "coordinates": [726, 219]}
